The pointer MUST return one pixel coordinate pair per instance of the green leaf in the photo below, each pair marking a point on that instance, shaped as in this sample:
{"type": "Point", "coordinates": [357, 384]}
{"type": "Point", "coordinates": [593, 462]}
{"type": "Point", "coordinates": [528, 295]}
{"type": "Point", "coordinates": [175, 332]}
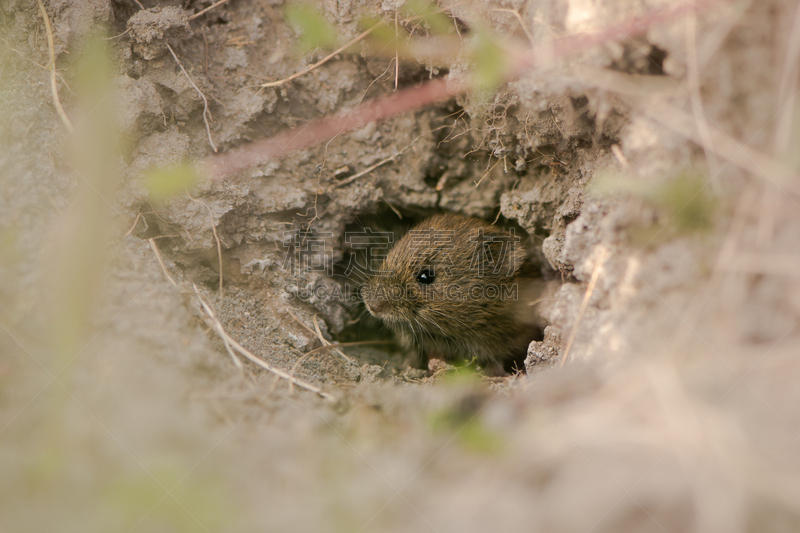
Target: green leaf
{"type": "Point", "coordinates": [195, 505]}
{"type": "Point", "coordinates": [685, 200]}
{"type": "Point", "coordinates": [384, 38]}
{"type": "Point", "coordinates": [683, 203]}
{"type": "Point", "coordinates": [430, 15]}
{"type": "Point", "coordinates": [162, 183]}
{"type": "Point", "coordinates": [491, 64]}
{"type": "Point", "coordinates": [472, 434]}
{"type": "Point", "coordinates": [315, 31]}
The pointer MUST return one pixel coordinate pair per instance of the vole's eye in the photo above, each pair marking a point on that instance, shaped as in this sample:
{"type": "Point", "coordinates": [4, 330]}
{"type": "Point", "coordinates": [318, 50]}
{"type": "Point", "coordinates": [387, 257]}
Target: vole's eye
{"type": "Point", "coordinates": [426, 276]}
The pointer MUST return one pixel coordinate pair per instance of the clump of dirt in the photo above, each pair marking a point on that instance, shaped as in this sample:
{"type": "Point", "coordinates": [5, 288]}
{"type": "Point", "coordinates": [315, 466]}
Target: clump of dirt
{"type": "Point", "coordinates": [150, 28]}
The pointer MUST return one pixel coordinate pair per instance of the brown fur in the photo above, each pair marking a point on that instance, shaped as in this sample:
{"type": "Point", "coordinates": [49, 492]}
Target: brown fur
{"type": "Point", "coordinates": [454, 317]}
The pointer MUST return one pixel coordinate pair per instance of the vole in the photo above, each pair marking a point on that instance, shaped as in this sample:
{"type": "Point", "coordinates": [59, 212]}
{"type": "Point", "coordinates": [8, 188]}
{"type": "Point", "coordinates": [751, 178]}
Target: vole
{"type": "Point", "coordinates": [449, 290]}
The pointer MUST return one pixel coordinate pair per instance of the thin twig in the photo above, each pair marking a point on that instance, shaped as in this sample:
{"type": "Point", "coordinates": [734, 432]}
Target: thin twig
{"type": "Point", "coordinates": [293, 371]}
{"type": "Point", "coordinates": [135, 223]}
{"type": "Point", "coordinates": [787, 96]}
{"type": "Point", "coordinates": [216, 238]}
{"type": "Point", "coordinates": [217, 325]}
{"type": "Point", "coordinates": [318, 334]}
{"type": "Point", "coordinates": [323, 340]}
{"type": "Point", "coordinates": [206, 10]}
{"type": "Point", "coordinates": [161, 261]}
{"type": "Point", "coordinates": [117, 36]}
{"type": "Point", "coordinates": [715, 35]}
{"type": "Point", "coordinates": [321, 61]}
{"type": "Point", "coordinates": [770, 202]}
{"type": "Point", "coordinates": [736, 228]}
{"type": "Point", "coordinates": [775, 264]}
{"type": "Point", "coordinates": [442, 180]}
{"type": "Point", "coordinates": [393, 208]}
{"type": "Point", "coordinates": [206, 112]}
{"type": "Point", "coordinates": [236, 362]}
{"type": "Point", "coordinates": [601, 258]}
{"type": "Point", "coordinates": [297, 319]}
{"type": "Point", "coordinates": [365, 171]}
{"type": "Point", "coordinates": [617, 151]}
{"type": "Point", "coordinates": [757, 163]}
{"type": "Point", "coordinates": [787, 91]}
{"type": "Point", "coordinates": [53, 75]}
{"type": "Point", "coordinates": [330, 346]}
{"type": "Point", "coordinates": [396, 53]}
{"type": "Point", "coordinates": [499, 212]}
{"type": "Point", "coordinates": [761, 165]}
{"type": "Point", "coordinates": [696, 98]}
{"type": "Point", "coordinates": [326, 342]}
{"type": "Point", "coordinates": [387, 160]}
{"type": "Point", "coordinates": [528, 34]}
{"type": "Point", "coordinates": [487, 173]}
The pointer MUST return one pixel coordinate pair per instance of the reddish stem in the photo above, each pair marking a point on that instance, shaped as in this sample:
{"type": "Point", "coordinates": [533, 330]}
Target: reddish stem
{"type": "Point", "coordinates": [259, 152]}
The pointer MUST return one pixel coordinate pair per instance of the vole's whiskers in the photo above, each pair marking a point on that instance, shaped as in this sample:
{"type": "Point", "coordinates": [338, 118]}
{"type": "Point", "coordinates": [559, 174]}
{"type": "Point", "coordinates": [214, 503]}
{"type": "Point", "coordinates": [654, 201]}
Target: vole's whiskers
{"type": "Point", "coordinates": [417, 338]}
{"type": "Point", "coordinates": [456, 320]}
{"type": "Point", "coordinates": [354, 275]}
{"type": "Point", "coordinates": [481, 339]}
{"type": "Point", "coordinates": [436, 324]}
{"type": "Point", "coordinates": [363, 313]}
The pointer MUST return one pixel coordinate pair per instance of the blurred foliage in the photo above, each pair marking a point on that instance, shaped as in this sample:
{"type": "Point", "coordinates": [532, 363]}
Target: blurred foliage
{"type": "Point", "coordinates": [429, 14]}
{"type": "Point", "coordinates": [681, 204]}
{"type": "Point", "coordinates": [168, 497]}
{"type": "Point", "coordinates": [686, 202]}
{"type": "Point", "coordinates": [165, 182]}
{"type": "Point", "coordinates": [489, 60]}
{"type": "Point", "coordinates": [386, 39]}
{"type": "Point", "coordinates": [190, 506]}
{"type": "Point", "coordinates": [47, 464]}
{"type": "Point", "coordinates": [491, 63]}
{"type": "Point", "coordinates": [791, 156]}
{"type": "Point", "coordinates": [461, 373]}
{"type": "Point", "coordinates": [314, 29]}
{"type": "Point", "coordinates": [8, 239]}
{"type": "Point", "coordinates": [81, 237]}
{"type": "Point", "coordinates": [94, 70]}
{"type": "Point", "coordinates": [463, 421]}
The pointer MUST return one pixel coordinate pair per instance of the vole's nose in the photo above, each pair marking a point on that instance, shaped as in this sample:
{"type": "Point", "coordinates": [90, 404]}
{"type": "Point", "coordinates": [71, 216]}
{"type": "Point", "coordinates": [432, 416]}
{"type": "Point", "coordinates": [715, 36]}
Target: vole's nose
{"type": "Point", "coordinates": [376, 307]}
